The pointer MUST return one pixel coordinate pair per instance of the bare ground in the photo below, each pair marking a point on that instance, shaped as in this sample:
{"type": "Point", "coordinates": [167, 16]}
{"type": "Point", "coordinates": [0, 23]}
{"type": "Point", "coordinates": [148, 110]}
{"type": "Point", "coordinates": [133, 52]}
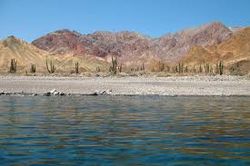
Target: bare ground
{"type": "Point", "coordinates": [168, 86]}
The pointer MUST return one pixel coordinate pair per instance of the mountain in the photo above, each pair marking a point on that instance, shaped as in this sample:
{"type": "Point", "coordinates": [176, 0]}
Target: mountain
{"type": "Point", "coordinates": [129, 46]}
{"type": "Point", "coordinates": [26, 54]}
{"type": "Point", "coordinates": [234, 52]}
{"type": "Point", "coordinates": [204, 45]}
{"type": "Point", "coordinates": [23, 52]}
{"type": "Point", "coordinates": [99, 44]}
{"type": "Point", "coordinates": [175, 46]}
{"type": "Point", "coordinates": [59, 42]}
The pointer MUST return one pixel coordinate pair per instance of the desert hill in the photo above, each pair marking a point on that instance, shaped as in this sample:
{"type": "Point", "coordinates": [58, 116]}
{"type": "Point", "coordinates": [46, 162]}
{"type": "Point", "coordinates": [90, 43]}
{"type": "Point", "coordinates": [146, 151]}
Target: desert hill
{"type": "Point", "coordinates": [131, 45]}
{"type": "Point", "coordinates": [234, 53]}
{"type": "Point", "coordinates": [189, 51]}
{"type": "Point", "coordinates": [26, 54]}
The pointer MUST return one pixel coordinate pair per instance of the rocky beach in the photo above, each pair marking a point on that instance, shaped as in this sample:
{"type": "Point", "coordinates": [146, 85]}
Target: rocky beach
{"type": "Point", "coordinates": [163, 86]}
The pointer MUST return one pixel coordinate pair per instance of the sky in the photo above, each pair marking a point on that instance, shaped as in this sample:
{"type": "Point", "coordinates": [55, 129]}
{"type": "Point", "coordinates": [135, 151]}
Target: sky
{"type": "Point", "coordinates": [30, 19]}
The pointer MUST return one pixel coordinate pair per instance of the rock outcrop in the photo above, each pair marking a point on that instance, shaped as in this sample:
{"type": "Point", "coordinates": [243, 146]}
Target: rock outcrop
{"type": "Point", "coordinates": [131, 45]}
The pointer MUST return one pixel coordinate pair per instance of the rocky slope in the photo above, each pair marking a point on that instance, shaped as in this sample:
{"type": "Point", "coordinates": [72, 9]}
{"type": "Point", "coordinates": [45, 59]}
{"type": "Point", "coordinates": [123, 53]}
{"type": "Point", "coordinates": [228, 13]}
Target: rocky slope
{"type": "Point", "coordinates": [175, 46]}
{"type": "Point", "coordinates": [130, 46]}
{"type": "Point", "coordinates": [207, 44]}
{"type": "Point", "coordinates": [234, 53]}
{"type": "Point", "coordinates": [26, 54]}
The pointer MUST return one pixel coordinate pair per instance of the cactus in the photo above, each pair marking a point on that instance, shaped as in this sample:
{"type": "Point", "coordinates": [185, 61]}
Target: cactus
{"type": "Point", "coordinates": [221, 68]}
{"type": "Point", "coordinates": [13, 66]}
{"type": "Point", "coordinates": [180, 68]}
{"type": "Point", "coordinates": [194, 69]}
{"type": "Point", "coordinates": [167, 68]}
{"type": "Point", "coordinates": [211, 70]}
{"type": "Point", "coordinates": [142, 67]}
{"type": "Point", "coordinates": [50, 66]}
{"type": "Point", "coordinates": [97, 69]}
{"type": "Point", "coordinates": [207, 68]}
{"type": "Point", "coordinates": [120, 68]}
{"type": "Point", "coordinates": [161, 66]}
{"type": "Point", "coordinates": [113, 67]}
{"type": "Point", "coordinates": [186, 69]}
{"type": "Point", "coordinates": [217, 68]}
{"type": "Point", "coordinates": [176, 69]}
{"type": "Point", "coordinates": [200, 69]}
{"type": "Point", "coordinates": [33, 68]}
{"type": "Point", "coordinates": [77, 67]}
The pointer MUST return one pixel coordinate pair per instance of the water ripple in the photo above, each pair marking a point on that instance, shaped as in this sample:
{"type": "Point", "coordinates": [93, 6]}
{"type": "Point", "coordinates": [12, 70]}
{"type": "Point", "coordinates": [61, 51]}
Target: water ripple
{"type": "Point", "coordinates": [125, 131]}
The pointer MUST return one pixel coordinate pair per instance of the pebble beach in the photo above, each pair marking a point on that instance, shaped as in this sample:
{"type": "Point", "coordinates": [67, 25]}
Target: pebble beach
{"type": "Point", "coordinates": [163, 86]}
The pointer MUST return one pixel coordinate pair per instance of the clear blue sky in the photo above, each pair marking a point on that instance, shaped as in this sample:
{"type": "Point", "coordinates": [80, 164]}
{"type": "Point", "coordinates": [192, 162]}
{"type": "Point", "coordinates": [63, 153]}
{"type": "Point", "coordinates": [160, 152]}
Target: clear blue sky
{"type": "Point", "coordinates": [29, 19]}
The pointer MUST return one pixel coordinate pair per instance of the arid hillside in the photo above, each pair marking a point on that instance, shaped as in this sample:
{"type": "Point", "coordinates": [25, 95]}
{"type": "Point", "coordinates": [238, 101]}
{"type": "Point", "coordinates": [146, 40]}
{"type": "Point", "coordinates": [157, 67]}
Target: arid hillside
{"type": "Point", "coordinates": [22, 52]}
{"type": "Point", "coordinates": [26, 55]}
{"type": "Point", "coordinates": [209, 49]}
{"type": "Point", "coordinates": [131, 46]}
{"type": "Point", "coordinates": [234, 53]}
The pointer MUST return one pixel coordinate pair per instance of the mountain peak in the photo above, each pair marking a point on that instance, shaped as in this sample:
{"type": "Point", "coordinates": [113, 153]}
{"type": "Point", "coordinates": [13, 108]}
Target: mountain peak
{"type": "Point", "coordinates": [215, 25]}
{"type": "Point", "coordinates": [64, 31]}
{"type": "Point", "coordinates": [60, 41]}
{"type": "Point", "coordinates": [11, 41]}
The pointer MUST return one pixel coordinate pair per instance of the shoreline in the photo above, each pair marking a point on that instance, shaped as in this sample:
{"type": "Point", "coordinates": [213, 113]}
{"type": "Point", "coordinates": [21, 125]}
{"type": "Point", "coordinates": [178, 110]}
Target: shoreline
{"type": "Point", "coordinates": [125, 86]}
{"type": "Point", "coordinates": [111, 95]}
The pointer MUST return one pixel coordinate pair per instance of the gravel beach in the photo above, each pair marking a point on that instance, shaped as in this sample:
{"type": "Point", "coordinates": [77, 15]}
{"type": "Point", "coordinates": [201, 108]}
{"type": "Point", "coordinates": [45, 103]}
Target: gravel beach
{"type": "Point", "coordinates": [167, 86]}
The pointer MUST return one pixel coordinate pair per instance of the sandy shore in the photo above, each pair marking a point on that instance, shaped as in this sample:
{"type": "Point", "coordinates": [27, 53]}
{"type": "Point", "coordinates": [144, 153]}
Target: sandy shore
{"type": "Point", "coordinates": [168, 86]}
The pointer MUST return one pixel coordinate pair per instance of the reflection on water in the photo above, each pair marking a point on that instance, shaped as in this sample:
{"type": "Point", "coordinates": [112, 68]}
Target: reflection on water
{"type": "Point", "coordinates": [125, 130]}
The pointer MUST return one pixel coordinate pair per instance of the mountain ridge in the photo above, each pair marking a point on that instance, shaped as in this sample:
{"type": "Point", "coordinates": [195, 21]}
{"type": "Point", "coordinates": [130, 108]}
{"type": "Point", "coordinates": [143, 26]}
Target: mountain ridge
{"type": "Point", "coordinates": [208, 43]}
{"type": "Point", "coordinates": [125, 44]}
{"type": "Point", "coordinates": [234, 51]}
{"type": "Point", "coordinates": [26, 54]}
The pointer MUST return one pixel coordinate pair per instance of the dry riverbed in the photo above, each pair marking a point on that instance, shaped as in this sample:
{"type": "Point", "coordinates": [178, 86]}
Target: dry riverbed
{"type": "Point", "coordinates": [168, 86]}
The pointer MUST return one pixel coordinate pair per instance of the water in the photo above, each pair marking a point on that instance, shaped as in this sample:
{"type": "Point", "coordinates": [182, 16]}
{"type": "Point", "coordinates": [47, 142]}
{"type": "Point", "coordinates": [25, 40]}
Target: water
{"type": "Point", "coordinates": [125, 131]}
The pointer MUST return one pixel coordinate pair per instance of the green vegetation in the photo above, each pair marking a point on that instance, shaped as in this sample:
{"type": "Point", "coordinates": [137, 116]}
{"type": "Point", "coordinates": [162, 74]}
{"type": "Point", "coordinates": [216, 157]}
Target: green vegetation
{"type": "Point", "coordinates": [180, 68]}
{"type": "Point", "coordinates": [77, 67]}
{"type": "Point", "coordinates": [221, 68]}
{"type": "Point", "coordinates": [50, 66]}
{"type": "Point", "coordinates": [13, 66]}
{"type": "Point", "coordinates": [207, 68]}
{"type": "Point", "coordinates": [142, 67]}
{"type": "Point", "coordinates": [114, 65]}
{"type": "Point", "coordinates": [33, 68]}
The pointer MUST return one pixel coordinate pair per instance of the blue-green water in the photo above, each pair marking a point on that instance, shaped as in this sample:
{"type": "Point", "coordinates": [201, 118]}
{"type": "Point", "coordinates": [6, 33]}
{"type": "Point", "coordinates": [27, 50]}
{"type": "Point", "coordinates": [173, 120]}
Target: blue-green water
{"type": "Point", "coordinates": [124, 130]}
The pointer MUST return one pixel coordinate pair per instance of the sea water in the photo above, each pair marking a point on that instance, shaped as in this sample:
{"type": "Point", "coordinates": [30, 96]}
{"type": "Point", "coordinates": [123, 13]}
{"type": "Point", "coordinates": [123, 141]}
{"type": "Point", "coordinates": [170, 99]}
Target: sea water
{"type": "Point", "coordinates": [113, 130]}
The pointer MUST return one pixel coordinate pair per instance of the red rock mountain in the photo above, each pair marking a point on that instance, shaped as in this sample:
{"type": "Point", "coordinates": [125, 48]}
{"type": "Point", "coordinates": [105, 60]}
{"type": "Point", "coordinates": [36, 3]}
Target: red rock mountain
{"type": "Point", "coordinates": [130, 45]}
{"type": "Point", "coordinates": [175, 46]}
